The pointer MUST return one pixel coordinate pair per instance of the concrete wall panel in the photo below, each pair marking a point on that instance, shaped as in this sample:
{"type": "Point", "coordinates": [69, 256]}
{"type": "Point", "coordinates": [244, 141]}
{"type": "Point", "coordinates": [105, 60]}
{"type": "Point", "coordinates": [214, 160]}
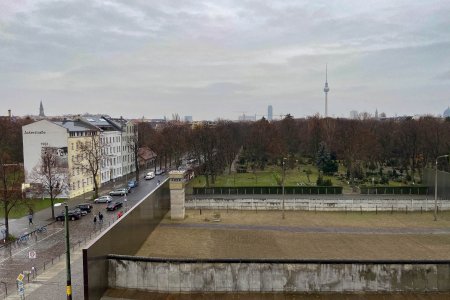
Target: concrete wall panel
{"type": "Point", "coordinates": [323, 276]}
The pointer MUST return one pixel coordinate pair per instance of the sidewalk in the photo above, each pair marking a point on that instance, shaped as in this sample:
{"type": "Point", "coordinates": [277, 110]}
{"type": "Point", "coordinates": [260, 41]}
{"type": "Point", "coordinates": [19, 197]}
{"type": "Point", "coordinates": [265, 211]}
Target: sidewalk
{"type": "Point", "coordinates": [19, 227]}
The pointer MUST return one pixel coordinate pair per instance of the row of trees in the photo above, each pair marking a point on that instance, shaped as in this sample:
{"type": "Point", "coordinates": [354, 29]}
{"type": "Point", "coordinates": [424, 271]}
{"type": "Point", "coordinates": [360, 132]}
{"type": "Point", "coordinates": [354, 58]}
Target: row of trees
{"type": "Point", "coordinates": [11, 167]}
{"type": "Point", "coordinates": [407, 144]}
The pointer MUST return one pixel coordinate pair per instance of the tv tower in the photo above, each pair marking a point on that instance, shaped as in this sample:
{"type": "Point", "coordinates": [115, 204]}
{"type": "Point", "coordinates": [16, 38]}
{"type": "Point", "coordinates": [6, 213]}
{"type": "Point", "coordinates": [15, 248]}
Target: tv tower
{"type": "Point", "coordinates": [326, 89]}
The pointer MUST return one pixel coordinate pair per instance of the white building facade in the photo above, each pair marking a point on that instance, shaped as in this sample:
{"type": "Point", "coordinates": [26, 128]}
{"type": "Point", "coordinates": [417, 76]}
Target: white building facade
{"type": "Point", "coordinates": [63, 138]}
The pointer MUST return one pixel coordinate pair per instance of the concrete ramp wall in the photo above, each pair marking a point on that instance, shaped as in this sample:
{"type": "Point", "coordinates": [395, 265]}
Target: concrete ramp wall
{"type": "Point", "coordinates": [184, 275]}
{"type": "Point", "coordinates": [126, 236]}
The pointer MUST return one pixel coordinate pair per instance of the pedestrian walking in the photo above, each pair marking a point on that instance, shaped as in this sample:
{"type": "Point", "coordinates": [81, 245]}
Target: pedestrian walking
{"type": "Point", "coordinates": [119, 214]}
{"type": "Point", "coordinates": [100, 217]}
{"type": "Point", "coordinates": [95, 221]}
{"type": "Point", "coordinates": [30, 218]}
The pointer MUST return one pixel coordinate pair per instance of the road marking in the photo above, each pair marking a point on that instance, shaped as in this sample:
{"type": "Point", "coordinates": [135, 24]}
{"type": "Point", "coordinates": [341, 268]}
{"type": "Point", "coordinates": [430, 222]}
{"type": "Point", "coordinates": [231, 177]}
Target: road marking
{"type": "Point", "coordinates": [2, 261]}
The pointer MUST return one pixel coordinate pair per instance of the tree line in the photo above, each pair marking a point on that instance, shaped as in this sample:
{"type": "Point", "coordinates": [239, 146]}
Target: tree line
{"type": "Point", "coordinates": [406, 144]}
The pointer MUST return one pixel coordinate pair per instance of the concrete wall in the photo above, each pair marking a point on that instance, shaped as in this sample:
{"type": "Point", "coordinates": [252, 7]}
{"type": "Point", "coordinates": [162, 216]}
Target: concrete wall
{"type": "Point", "coordinates": [327, 204]}
{"type": "Point", "coordinates": [177, 204]}
{"type": "Point", "coordinates": [443, 183]}
{"type": "Point", "coordinates": [275, 276]}
{"type": "Point", "coordinates": [125, 237]}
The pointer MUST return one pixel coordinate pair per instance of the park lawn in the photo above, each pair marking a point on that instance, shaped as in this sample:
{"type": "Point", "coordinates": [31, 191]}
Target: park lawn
{"type": "Point", "coordinates": [294, 177]}
{"type": "Point", "coordinates": [24, 208]}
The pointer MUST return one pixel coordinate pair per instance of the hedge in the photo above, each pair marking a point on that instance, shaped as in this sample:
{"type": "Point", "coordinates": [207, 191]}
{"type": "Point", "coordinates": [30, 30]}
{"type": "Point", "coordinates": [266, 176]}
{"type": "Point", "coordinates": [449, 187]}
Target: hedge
{"type": "Point", "coordinates": [268, 190]}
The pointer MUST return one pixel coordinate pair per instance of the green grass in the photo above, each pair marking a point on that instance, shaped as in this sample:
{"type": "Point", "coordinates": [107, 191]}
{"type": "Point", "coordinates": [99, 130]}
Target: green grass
{"type": "Point", "coordinates": [23, 208]}
{"type": "Point", "coordinates": [267, 177]}
{"type": "Point", "coordinates": [294, 177]}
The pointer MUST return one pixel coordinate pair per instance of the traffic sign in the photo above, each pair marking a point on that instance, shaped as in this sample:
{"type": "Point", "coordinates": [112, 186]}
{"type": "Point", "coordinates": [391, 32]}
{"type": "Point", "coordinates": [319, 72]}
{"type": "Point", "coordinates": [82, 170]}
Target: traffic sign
{"type": "Point", "coordinates": [20, 277]}
{"type": "Point", "coordinates": [32, 254]}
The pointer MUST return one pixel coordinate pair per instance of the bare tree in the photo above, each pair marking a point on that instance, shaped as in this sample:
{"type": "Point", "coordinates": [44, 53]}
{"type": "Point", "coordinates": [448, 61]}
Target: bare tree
{"type": "Point", "coordinates": [134, 144]}
{"type": "Point", "coordinates": [90, 159]}
{"type": "Point", "coordinates": [50, 176]}
{"type": "Point", "coordinates": [11, 178]}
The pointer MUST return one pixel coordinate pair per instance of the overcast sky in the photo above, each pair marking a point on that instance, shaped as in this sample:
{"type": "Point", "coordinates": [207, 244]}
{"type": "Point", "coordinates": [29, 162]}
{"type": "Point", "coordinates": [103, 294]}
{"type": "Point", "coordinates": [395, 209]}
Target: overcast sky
{"type": "Point", "coordinates": [214, 59]}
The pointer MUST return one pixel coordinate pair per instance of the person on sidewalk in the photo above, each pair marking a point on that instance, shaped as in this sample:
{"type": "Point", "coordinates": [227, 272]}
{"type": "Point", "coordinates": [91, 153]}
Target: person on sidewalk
{"type": "Point", "coordinates": [95, 221]}
{"type": "Point", "coordinates": [30, 218]}
{"type": "Point", "coordinates": [100, 217]}
{"type": "Point", "coordinates": [119, 214]}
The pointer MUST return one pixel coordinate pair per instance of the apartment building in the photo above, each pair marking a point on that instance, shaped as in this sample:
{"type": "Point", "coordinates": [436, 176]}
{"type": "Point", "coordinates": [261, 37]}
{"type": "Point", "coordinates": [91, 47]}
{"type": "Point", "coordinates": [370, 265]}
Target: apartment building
{"type": "Point", "coordinates": [113, 141]}
{"type": "Point", "coordinates": [65, 139]}
{"type": "Point", "coordinates": [110, 142]}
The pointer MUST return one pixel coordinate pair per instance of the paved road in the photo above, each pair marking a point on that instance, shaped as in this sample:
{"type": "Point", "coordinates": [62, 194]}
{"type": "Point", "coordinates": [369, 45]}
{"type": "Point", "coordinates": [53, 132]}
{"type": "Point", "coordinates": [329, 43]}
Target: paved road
{"type": "Point", "coordinates": [49, 246]}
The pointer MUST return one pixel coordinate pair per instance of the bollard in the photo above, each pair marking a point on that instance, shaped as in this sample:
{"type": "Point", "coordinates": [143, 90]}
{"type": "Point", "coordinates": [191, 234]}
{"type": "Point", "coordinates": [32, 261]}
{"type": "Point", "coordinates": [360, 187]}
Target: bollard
{"type": "Point", "coordinates": [200, 211]}
{"type": "Point", "coordinates": [44, 266]}
{"type": "Point", "coordinates": [28, 277]}
{"type": "Point", "coordinates": [421, 210]}
{"type": "Point", "coordinates": [52, 260]}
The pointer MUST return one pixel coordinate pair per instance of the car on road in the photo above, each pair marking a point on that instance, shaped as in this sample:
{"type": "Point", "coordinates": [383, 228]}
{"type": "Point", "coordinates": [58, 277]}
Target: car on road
{"type": "Point", "coordinates": [73, 214]}
{"type": "Point", "coordinates": [160, 171]}
{"type": "Point", "coordinates": [133, 183]}
{"type": "Point", "coordinates": [119, 192]}
{"type": "Point", "coordinates": [149, 175]}
{"type": "Point", "coordinates": [81, 212]}
{"type": "Point", "coordinates": [103, 199]}
{"type": "Point", "coordinates": [87, 207]}
{"type": "Point", "coordinates": [114, 205]}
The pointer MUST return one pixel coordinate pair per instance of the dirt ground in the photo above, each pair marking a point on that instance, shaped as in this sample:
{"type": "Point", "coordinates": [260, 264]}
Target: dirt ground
{"type": "Point", "coordinates": [267, 235]}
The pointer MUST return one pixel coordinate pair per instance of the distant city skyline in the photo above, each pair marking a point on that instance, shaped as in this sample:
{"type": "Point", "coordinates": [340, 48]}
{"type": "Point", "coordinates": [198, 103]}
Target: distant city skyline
{"type": "Point", "coordinates": [210, 59]}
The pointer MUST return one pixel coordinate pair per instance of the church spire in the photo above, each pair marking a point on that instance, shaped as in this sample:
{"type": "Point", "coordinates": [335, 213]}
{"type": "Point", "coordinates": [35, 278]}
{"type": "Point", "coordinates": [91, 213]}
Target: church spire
{"type": "Point", "coordinates": [41, 111]}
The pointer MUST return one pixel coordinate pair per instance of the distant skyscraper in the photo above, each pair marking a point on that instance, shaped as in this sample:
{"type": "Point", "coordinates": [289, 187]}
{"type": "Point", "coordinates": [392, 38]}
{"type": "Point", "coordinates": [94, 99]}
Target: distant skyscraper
{"type": "Point", "coordinates": [41, 111]}
{"type": "Point", "coordinates": [326, 89]}
{"type": "Point", "coordinates": [269, 113]}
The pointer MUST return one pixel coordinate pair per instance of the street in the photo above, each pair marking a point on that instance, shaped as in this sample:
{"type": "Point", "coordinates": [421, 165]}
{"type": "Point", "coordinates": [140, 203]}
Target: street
{"type": "Point", "coordinates": [49, 247]}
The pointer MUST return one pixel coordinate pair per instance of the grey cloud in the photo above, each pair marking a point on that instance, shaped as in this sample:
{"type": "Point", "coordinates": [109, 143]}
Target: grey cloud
{"type": "Point", "coordinates": [193, 57]}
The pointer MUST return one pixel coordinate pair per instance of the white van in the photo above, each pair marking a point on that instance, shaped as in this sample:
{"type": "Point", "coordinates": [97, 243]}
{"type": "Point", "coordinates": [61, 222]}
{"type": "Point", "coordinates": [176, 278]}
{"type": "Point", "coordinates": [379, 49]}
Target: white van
{"type": "Point", "coordinates": [150, 175]}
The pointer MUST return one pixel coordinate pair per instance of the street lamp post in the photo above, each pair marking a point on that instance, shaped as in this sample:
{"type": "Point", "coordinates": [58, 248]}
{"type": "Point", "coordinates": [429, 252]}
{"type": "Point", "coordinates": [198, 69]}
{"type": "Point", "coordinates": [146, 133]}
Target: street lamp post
{"type": "Point", "coordinates": [435, 186]}
{"type": "Point", "coordinates": [282, 185]}
{"type": "Point", "coordinates": [66, 225]}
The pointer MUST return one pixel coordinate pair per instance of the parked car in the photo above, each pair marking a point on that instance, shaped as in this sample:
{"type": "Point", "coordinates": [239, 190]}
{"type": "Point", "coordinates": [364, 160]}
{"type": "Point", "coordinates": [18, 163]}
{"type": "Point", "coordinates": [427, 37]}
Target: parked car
{"type": "Point", "coordinates": [103, 199]}
{"type": "Point", "coordinates": [149, 175]}
{"type": "Point", "coordinates": [81, 212]}
{"type": "Point", "coordinates": [119, 192]}
{"type": "Point", "coordinates": [114, 205]}
{"type": "Point", "coordinates": [160, 171]}
{"type": "Point", "coordinates": [85, 207]}
{"type": "Point", "coordinates": [71, 214]}
{"type": "Point", "coordinates": [133, 183]}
